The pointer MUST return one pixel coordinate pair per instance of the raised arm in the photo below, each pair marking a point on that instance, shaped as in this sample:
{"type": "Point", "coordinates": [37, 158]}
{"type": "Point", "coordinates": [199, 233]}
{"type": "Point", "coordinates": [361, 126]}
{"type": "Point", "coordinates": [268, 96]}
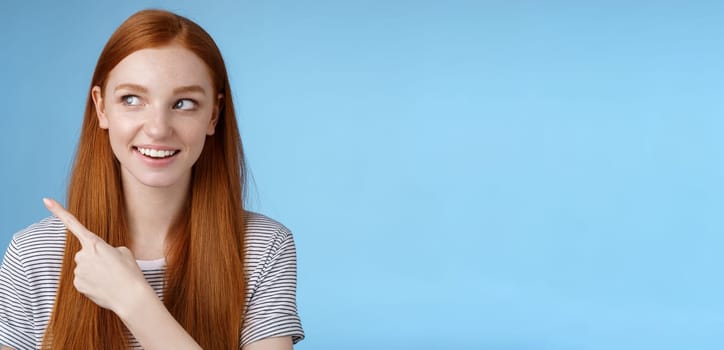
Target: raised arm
{"type": "Point", "coordinates": [111, 278]}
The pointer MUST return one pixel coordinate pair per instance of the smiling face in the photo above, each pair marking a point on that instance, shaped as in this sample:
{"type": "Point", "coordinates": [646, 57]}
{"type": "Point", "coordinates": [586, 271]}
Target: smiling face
{"type": "Point", "coordinates": [158, 106]}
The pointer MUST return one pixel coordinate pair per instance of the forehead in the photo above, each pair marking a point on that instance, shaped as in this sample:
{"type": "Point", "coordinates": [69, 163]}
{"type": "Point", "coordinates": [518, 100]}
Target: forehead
{"type": "Point", "coordinates": [160, 69]}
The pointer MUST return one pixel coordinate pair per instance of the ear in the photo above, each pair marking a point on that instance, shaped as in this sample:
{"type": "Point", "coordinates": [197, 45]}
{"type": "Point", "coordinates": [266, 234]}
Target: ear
{"type": "Point", "coordinates": [97, 96]}
{"type": "Point", "coordinates": [215, 116]}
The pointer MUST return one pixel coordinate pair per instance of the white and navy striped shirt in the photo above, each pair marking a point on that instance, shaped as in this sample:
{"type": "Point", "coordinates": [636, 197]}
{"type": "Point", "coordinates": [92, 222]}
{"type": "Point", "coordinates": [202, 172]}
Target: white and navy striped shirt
{"type": "Point", "coordinates": [31, 267]}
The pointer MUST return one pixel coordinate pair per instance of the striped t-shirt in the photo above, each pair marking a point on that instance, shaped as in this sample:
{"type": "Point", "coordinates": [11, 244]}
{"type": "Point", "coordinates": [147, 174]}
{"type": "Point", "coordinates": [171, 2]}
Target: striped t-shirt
{"type": "Point", "coordinates": [31, 267]}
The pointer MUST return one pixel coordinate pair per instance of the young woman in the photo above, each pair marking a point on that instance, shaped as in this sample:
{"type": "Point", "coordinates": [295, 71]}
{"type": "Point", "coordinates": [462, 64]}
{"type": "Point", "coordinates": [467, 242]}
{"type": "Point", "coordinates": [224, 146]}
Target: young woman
{"type": "Point", "coordinates": [155, 249]}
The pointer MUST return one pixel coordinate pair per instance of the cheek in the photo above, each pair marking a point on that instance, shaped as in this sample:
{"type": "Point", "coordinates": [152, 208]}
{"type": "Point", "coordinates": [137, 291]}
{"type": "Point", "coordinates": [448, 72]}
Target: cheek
{"type": "Point", "coordinates": [193, 136]}
{"type": "Point", "coordinates": [193, 130]}
{"type": "Point", "coordinates": [196, 138]}
{"type": "Point", "coordinates": [117, 141]}
{"type": "Point", "coordinates": [120, 131]}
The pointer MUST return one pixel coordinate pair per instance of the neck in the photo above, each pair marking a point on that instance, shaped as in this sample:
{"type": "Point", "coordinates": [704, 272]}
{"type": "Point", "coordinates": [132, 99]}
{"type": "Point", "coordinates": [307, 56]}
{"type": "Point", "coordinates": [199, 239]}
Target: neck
{"type": "Point", "coordinates": [151, 211]}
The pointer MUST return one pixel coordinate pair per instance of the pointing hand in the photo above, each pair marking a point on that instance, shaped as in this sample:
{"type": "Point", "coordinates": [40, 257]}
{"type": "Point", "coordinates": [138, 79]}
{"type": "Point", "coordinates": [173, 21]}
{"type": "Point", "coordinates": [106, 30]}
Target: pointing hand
{"type": "Point", "coordinates": [107, 275]}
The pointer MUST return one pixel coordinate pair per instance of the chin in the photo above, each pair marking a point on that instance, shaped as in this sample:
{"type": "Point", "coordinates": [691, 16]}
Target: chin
{"type": "Point", "coordinates": [157, 184]}
{"type": "Point", "coordinates": [156, 179]}
{"type": "Point", "coordinates": [159, 181]}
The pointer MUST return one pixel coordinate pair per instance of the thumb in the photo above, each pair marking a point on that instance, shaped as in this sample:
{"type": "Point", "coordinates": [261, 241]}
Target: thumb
{"type": "Point", "coordinates": [125, 251]}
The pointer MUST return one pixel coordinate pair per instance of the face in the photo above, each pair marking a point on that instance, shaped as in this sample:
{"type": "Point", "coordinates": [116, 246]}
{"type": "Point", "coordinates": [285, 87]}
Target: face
{"type": "Point", "coordinates": [158, 106]}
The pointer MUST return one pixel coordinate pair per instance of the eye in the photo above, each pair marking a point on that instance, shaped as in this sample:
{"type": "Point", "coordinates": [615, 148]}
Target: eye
{"type": "Point", "coordinates": [131, 100]}
{"type": "Point", "coordinates": [185, 104]}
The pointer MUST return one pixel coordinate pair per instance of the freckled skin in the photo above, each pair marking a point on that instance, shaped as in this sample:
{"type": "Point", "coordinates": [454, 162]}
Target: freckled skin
{"type": "Point", "coordinates": [140, 105]}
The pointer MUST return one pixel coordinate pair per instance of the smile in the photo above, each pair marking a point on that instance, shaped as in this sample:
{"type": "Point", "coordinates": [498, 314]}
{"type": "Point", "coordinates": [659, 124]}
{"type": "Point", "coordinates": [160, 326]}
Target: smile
{"type": "Point", "coordinates": [156, 153]}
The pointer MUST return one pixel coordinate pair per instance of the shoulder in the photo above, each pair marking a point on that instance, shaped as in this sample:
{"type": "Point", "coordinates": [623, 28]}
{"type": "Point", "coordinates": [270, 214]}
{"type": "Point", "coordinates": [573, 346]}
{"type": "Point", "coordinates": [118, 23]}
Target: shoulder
{"type": "Point", "coordinates": [265, 240]}
{"type": "Point", "coordinates": [35, 255]}
{"type": "Point", "coordinates": [44, 238]}
{"type": "Point", "coordinates": [270, 259]}
{"type": "Point", "coordinates": [263, 229]}
{"type": "Point", "coordinates": [29, 276]}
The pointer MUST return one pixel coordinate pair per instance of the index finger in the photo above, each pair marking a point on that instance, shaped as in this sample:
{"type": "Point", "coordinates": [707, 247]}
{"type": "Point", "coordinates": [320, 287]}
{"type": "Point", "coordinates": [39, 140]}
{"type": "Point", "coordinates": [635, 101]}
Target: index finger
{"type": "Point", "coordinates": [74, 226]}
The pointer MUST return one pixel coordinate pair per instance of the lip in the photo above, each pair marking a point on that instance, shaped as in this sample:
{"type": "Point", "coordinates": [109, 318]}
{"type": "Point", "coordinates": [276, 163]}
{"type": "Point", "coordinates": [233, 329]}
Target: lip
{"type": "Point", "coordinates": [156, 147]}
{"type": "Point", "coordinates": [156, 162]}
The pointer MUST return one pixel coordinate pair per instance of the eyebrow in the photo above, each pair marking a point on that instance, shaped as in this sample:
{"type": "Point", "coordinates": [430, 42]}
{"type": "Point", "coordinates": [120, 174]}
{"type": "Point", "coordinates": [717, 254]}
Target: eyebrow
{"type": "Point", "coordinates": [190, 88]}
{"type": "Point", "coordinates": [178, 90]}
{"type": "Point", "coordinates": [133, 87]}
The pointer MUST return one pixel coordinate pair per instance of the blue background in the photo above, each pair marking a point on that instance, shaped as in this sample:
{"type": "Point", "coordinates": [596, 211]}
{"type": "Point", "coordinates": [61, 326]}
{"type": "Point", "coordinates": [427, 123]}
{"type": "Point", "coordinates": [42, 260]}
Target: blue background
{"type": "Point", "coordinates": [458, 174]}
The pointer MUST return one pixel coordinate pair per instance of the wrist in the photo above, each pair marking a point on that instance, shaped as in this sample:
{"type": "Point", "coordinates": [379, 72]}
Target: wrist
{"type": "Point", "coordinates": [139, 297]}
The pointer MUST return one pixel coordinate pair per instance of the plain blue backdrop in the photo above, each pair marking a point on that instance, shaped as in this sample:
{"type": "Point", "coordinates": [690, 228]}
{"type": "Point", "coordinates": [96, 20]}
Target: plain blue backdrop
{"type": "Point", "coordinates": [457, 174]}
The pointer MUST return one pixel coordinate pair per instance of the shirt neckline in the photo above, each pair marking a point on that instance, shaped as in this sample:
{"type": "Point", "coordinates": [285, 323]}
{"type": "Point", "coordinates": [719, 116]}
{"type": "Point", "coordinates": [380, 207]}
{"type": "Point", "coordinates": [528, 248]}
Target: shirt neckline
{"type": "Point", "coordinates": [155, 264]}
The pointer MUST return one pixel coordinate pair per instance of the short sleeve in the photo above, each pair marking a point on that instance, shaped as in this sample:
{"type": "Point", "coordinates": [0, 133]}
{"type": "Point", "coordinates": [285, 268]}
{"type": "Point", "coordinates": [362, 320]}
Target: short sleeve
{"type": "Point", "coordinates": [16, 321]}
{"type": "Point", "coordinates": [272, 309]}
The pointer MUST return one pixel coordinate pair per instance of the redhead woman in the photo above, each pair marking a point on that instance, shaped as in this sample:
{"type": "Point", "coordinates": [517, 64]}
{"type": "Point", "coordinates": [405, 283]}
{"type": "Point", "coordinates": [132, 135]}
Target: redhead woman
{"type": "Point", "coordinates": [154, 249]}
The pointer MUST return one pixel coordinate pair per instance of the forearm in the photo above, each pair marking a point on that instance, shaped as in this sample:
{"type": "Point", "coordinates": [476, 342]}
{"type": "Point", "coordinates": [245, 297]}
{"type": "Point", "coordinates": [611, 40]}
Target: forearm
{"type": "Point", "coordinates": [153, 326]}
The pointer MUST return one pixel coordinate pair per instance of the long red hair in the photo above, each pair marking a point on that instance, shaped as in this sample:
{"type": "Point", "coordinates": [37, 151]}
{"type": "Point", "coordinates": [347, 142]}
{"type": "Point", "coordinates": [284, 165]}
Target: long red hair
{"type": "Point", "coordinates": [205, 285]}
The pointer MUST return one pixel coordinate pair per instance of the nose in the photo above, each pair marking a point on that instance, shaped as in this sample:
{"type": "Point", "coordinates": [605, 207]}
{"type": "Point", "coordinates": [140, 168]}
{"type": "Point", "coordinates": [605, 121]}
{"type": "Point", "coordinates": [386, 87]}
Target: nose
{"type": "Point", "coordinates": [158, 123]}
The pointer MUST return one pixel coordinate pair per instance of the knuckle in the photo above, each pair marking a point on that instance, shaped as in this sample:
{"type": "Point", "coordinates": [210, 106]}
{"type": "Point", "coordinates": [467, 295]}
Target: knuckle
{"type": "Point", "coordinates": [82, 254]}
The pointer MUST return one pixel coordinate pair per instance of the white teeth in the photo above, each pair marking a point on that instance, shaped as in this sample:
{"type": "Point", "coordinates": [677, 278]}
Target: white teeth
{"type": "Point", "coordinates": [155, 153]}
